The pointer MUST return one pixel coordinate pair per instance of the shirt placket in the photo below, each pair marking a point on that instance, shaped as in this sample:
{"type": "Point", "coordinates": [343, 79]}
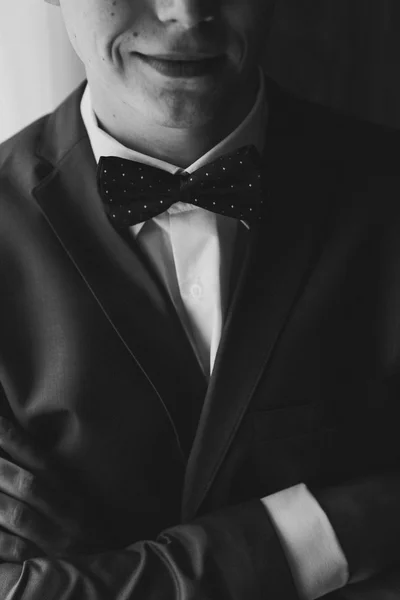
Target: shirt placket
{"type": "Point", "coordinates": [196, 251]}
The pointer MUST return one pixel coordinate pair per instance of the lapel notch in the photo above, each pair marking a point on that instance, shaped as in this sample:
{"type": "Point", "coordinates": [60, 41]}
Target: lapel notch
{"type": "Point", "coordinates": [117, 274]}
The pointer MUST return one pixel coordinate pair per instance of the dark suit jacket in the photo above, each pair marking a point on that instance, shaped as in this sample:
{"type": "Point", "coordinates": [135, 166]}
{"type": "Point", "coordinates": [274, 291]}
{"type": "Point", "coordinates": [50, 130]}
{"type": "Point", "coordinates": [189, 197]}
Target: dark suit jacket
{"type": "Point", "coordinates": [94, 362]}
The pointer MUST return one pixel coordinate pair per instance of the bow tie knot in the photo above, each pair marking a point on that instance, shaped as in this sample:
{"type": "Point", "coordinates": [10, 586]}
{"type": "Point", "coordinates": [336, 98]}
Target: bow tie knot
{"type": "Point", "coordinates": [133, 192]}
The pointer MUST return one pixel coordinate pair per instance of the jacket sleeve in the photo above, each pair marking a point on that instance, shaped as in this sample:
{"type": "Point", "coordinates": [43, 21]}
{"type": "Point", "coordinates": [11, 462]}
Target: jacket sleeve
{"type": "Point", "coordinates": [385, 586]}
{"type": "Point", "coordinates": [364, 514]}
{"type": "Point", "coordinates": [233, 554]}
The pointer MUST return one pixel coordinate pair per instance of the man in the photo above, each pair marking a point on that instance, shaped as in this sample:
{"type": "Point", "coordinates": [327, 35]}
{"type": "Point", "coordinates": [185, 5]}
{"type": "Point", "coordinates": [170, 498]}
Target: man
{"type": "Point", "coordinates": [199, 325]}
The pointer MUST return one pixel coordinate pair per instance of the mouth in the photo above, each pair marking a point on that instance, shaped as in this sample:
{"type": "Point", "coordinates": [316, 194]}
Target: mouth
{"type": "Point", "coordinates": [184, 66]}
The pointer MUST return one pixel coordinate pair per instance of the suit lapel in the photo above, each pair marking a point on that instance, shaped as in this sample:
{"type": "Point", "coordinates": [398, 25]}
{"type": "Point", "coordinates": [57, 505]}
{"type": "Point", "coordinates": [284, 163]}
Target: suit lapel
{"type": "Point", "coordinates": [280, 256]}
{"type": "Point", "coordinates": [118, 275]}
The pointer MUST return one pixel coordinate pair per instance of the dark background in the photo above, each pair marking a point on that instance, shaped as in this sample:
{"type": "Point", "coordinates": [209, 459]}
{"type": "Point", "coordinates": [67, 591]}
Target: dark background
{"type": "Point", "coordinates": [342, 53]}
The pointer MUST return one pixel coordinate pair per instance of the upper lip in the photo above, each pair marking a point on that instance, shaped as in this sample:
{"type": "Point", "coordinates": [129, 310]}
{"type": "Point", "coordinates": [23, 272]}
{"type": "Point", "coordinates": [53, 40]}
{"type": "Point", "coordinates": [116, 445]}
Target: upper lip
{"type": "Point", "coordinates": [182, 57]}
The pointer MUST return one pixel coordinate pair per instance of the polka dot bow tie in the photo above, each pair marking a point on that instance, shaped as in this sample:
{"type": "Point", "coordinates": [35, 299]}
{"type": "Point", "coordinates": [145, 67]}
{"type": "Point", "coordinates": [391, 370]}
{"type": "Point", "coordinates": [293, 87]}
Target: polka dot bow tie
{"type": "Point", "coordinates": [133, 192]}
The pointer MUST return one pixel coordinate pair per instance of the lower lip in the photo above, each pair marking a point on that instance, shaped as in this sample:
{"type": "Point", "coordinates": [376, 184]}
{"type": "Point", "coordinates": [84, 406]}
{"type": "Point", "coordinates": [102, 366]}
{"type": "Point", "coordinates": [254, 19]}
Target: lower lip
{"type": "Point", "coordinates": [185, 69]}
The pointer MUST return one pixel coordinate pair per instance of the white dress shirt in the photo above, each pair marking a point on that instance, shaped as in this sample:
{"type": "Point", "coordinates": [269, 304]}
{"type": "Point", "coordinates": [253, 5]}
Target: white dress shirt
{"type": "Point", "coordinates": [191, 249]}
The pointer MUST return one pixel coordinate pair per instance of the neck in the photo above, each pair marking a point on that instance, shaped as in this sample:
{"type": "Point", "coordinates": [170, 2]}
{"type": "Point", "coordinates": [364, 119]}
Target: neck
{"type": "Point", "coordinates": [180, 146]}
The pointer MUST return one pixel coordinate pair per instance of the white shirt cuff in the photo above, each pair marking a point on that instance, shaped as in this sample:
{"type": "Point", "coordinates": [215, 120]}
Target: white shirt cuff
{"type": "Point", "coordinates": [316, 560]}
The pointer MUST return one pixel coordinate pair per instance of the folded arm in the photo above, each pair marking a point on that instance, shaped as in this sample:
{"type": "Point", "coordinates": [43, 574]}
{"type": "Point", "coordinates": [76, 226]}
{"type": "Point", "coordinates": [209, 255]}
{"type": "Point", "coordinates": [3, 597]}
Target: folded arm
{"type": "Point", "coordinates": [231, 555]}
{"type": "Point", "coordinates": [234, 554]}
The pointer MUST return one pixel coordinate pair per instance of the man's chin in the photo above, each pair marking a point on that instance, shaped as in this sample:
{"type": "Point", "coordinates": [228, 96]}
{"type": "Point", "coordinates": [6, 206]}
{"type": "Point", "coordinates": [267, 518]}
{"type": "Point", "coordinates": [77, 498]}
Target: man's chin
{"type": "Point", "coordinates": [188, 109]}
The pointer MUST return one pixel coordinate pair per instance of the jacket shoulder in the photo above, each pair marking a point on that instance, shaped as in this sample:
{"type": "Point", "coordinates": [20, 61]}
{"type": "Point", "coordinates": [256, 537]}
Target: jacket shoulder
{"type": "Point", "coordinates": [362, 145]}
{"type": "Point", "coordinates": [23, 162]}
{"type": "Point", "coordinates": [333, 135]}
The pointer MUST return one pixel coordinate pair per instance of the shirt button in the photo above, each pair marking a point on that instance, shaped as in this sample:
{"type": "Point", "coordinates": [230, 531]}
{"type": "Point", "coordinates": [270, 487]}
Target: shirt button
{"type": "Point", "coordinates": [196, 291]}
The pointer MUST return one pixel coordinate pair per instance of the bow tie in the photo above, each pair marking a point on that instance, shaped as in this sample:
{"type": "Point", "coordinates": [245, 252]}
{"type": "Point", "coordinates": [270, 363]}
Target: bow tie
{"type": "Point", "coordinates": [133, 192]}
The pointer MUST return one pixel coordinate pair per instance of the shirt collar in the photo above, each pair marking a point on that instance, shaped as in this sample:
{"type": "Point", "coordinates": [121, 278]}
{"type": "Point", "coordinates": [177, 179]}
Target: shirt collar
{"type": "Point", "coordinates": [250, 131]}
